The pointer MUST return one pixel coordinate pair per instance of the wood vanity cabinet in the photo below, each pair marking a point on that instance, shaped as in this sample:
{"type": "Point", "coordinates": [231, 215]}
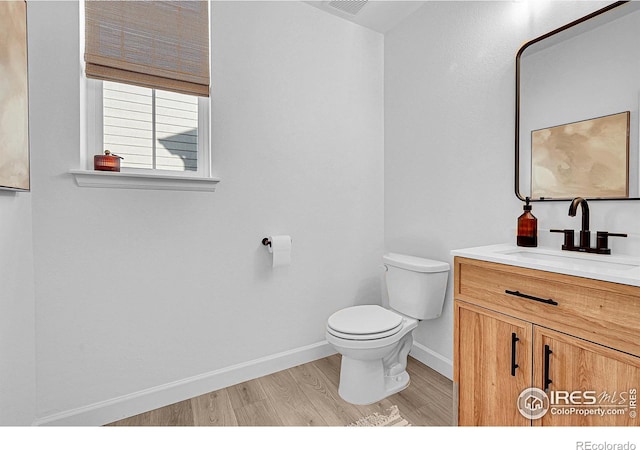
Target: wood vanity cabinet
{"type": "Point", "coordinates": [487, 390]}
{"type": "Point", "coordinates": [578, 339]}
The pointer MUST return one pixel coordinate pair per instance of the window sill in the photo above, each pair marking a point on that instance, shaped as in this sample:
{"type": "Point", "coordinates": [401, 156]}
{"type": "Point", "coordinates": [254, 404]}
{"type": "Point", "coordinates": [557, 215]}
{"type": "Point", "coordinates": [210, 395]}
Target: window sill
{"type": "Point", "coordinates": [126, 180]}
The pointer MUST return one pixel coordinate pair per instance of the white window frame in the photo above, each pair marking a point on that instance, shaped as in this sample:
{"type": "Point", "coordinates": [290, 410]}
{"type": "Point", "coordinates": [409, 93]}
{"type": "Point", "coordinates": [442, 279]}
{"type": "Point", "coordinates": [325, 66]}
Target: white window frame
{"type": "Point", "coordinates": [131, 178]}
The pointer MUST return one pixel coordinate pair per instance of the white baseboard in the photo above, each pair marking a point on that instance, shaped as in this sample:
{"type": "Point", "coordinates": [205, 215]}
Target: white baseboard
{"type": "Point", "coordinates": [138, 402]}
{"type": "Point", "coordinates": [432, 359]}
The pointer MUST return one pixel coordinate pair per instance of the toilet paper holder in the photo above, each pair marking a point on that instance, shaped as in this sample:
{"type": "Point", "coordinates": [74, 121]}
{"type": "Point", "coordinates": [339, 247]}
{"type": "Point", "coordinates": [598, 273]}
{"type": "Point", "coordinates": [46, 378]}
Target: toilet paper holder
{"type": "Point", "coordinates": [280, 248]}
{"type": "Point", "coordinates": [266, 242]}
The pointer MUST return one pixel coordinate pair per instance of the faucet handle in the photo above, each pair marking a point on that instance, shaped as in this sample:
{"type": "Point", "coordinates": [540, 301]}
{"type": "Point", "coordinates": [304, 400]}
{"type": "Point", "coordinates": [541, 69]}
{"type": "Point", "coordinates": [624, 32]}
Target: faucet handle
{"type": "Point", "coordinates": [569, 238]}
{"type": "Point", "coordinates": [602, 241]}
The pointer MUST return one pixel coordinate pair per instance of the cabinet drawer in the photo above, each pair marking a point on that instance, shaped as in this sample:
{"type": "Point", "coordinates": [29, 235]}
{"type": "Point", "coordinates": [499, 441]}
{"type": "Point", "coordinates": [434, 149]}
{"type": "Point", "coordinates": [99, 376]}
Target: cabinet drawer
{"type": "Point", "coordinates": [599, 311]}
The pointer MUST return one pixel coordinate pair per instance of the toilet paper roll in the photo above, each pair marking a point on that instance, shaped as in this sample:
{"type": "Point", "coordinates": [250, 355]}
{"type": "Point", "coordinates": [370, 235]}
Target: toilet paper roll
{"type": "Point", "coordinates": [280, 248]}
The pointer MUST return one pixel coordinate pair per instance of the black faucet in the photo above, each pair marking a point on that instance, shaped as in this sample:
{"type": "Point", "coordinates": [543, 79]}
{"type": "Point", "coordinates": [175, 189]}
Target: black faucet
{"type": "Point", "coordinates": [602, 241]}
{"type": "Point", "coordinates": [585, 234]}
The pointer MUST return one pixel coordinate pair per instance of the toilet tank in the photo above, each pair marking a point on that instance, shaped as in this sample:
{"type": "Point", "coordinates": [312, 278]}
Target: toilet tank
{"type": "Point", "coordinates": [416, 286]}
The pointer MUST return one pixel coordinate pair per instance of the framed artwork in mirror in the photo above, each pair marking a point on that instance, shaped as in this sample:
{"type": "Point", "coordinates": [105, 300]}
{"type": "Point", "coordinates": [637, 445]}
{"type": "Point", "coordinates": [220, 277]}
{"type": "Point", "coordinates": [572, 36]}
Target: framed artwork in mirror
{"type": "Point", "coordinates": [14, 97]}
{"type": "Point", "coordinates": [589, 157]}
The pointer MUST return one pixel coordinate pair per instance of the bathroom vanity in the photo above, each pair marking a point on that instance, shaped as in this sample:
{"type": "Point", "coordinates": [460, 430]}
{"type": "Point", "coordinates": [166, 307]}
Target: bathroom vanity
{"type": "Point", "coordinates": [552, 336]}
{"type": "Point", "coordinates": [568, 325]}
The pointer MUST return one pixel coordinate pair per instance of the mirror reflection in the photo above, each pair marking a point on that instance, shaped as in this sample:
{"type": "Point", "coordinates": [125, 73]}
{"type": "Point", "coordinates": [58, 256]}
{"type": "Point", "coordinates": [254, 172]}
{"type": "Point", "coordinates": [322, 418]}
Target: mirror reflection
{"type": "Point", "coordinates": [577, 109]}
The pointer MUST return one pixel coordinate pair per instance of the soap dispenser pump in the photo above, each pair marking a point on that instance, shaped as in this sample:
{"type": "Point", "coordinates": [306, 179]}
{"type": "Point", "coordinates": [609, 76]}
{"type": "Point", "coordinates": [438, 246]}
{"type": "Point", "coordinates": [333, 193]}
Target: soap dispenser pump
{"type": "Point", "coordinates": [527, 227]}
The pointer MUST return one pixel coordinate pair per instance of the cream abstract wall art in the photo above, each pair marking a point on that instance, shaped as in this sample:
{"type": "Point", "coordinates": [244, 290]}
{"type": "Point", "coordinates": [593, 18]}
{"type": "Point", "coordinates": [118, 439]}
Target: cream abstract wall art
{"type": "Point", "coordinates": [587, 159]}
{"type": "Point", "coordinates": [14, 99]}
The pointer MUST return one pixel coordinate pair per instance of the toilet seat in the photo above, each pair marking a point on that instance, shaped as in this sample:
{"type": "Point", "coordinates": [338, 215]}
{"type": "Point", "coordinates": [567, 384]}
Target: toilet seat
{"type": "Point", "coordinates": [364, 322]}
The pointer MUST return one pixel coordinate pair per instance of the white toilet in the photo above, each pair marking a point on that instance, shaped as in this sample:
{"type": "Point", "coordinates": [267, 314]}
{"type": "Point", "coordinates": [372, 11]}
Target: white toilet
{"type": "Point", "coordinates": [374, 341]}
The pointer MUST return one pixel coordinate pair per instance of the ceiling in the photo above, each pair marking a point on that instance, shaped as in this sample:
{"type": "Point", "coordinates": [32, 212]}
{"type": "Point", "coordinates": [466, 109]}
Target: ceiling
{"type": "Point", "coordinates": [380, 16]}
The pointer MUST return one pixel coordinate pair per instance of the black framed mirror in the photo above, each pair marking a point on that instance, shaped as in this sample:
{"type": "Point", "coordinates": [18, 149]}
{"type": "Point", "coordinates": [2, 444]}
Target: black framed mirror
{"type": "Point", "coordinates": [577, 97]}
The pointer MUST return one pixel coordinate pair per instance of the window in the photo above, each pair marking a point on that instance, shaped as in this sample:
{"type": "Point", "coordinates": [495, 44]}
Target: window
{"type": "Point", "coordinates": [147, 93]}
{"type": "Point", "coordinates": [150, 129]}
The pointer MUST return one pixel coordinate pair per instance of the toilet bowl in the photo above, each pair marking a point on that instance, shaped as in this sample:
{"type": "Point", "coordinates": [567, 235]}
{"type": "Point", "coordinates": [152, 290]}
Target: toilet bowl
{"type": "Point", "coordinates": [373, 363]}
{"type": "Point", "coordinates": [374, 341]}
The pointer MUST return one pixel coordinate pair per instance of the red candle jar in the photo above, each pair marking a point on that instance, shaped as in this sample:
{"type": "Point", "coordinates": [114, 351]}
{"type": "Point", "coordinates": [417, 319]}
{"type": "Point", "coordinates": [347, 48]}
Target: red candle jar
{"type": "Point", "coordinates": [107, 162]}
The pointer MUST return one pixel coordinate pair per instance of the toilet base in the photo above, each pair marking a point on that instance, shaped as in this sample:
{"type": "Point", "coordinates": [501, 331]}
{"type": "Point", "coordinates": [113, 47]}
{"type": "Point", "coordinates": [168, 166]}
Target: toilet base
{"type": "Point", "coordinates": [366, 383]}
{"type": "Point", "coordinates": [372, 372]}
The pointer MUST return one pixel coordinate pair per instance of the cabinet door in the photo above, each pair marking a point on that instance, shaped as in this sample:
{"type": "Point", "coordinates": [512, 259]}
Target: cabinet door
{"type": "Point", "coordinates": [587, 384]}
{"type": "Point", "coordinates": [492, 367]}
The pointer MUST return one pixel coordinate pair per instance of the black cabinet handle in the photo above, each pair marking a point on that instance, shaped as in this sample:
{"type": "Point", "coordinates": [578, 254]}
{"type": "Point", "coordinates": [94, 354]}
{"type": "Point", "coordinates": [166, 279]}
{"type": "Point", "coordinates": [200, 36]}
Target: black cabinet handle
{"type": "Point", "coordinates": [514, 366]}
{"type": "Point", "coordinates": [548, 301]}
{"type": "Point", "coordinates": [547, 380]}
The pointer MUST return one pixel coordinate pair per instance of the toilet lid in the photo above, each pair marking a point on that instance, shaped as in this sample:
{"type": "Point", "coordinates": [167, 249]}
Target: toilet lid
{"type": "Point", "coordinates": [364, 322]}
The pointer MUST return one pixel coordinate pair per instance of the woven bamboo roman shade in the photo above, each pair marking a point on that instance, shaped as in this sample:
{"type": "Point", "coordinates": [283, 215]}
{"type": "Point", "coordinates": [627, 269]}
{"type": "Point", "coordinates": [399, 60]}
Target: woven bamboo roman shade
{"type": "Point", "coordinates": [157, 44]}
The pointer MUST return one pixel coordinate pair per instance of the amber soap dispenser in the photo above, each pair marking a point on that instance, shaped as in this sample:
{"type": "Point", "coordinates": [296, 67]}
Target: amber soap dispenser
{"type": "Point", "coordinates": [527, 227]}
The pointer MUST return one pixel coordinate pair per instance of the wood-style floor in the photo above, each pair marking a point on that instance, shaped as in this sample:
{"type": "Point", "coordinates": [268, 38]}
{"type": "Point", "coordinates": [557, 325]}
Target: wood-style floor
{"type": "Point", "coordinates": [305, 395]}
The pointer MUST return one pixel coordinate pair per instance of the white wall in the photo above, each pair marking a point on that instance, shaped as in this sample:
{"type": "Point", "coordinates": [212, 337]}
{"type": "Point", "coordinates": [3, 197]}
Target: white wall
{"type": "Point", "coordinates": [17, 310]}
{"type": "Point", "coordinates": [17, 338]}
{"type": "Point", "coordinates": [449, 138]}
{"type": "Point", "coordinates": [136, 289]}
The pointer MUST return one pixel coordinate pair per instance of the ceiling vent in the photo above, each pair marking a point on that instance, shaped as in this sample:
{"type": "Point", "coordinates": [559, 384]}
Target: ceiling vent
{"type": "Point", "coordinates": [350, 7]}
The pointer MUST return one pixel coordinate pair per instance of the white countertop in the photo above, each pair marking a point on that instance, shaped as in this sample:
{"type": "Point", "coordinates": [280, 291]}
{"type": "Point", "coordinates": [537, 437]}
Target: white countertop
{"type": "Point", "coordinates": [614, 268]}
